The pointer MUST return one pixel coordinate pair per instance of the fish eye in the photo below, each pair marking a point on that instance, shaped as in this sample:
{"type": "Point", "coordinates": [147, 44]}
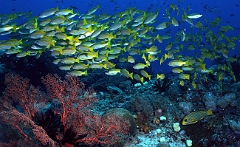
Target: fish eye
{"type": "Point", "coordinates": [185, 120]}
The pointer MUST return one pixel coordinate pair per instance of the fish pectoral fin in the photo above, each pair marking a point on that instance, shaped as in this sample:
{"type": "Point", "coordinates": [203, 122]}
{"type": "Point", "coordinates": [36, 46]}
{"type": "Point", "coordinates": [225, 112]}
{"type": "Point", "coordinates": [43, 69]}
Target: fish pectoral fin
{"type": "Point", "coordinates": [194, 120]}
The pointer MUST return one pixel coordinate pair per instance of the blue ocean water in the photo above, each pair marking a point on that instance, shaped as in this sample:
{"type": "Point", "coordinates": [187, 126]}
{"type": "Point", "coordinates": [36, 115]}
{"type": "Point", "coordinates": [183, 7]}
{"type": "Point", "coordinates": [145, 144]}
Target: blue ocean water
{"type": "Point", "coordinates": [227, 11]}
{"type": "Point", "coordinates": [222, 9]}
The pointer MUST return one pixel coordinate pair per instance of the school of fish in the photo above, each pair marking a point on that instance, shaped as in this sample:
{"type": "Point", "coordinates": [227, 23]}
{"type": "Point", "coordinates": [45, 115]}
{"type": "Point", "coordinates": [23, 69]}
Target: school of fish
{"type": "Point", "coordinates": [83, 42]}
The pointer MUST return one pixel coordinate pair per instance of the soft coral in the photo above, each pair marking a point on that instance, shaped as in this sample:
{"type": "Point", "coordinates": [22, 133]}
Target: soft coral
{"type": "Point", "coordinates": [68, 123]}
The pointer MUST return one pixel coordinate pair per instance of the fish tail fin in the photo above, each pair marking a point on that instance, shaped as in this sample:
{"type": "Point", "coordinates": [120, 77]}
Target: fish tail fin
{"type": "Point", "coordinates": [131, 75]}
{"type": "Point", "coordinates": [109, 44]}
{"type": "Point", "coordinates": [209, 112]}
{"type": "Point", "coordinates": [142, 79]}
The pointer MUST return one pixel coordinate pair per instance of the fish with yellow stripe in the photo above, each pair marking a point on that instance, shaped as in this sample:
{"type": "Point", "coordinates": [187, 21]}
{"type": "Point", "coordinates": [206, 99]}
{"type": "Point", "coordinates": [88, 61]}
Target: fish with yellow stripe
{"type": "Point", "coordinates": [196, 116]}
{"type": "Point", "coordinates": [96, 41]}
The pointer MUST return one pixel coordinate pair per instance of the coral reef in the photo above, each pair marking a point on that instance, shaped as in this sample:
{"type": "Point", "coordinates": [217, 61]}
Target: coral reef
{"type": "Point", "coordinates": [162, 85]}
{"type": "Point", "coordinates": [60, 117]}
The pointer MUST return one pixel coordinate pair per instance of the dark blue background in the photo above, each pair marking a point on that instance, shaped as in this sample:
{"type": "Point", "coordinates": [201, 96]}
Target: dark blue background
{"type": "Point", "coordinates": [222, 9]}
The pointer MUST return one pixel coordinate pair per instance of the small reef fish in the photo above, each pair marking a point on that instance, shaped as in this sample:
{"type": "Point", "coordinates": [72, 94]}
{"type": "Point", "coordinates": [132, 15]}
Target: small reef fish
{"type": "Point", "coordinates": [194, 16]}
{"type": "Point", "coordinates": [194, 117]}
{"type": "Point", "coordinates": [93, 41]}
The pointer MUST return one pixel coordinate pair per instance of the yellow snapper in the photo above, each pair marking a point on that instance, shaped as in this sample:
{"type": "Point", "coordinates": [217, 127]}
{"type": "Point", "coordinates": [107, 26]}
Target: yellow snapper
{"type": "Point", "coordinates": [88, 55]}
{"type": "Point", "coordinates": [160, 76]}
{"type": "Point", "coordinates": [68, 51]}
{"type": "Point", "coordinates": [98, 66]}
{"type": "Point", "coordinates": [101, 45]}
{"type": "Point", "coordinates": [65, 67]}
{"type": "Point", "coordinates": [5, 45]}
{"type": "Point", "coordinates": [45, 42]}
{"type": "Point", "coordinates": [194, 16]}
{"type": "Point", "coordinates": [175, 63]}
{"type": "Point", "coordinates": [45, 22]}
{"type": "Point", "coordinates": [7, 28]}
{"type": "Point", "coordinates": [58, 20]}
{"type": "Point", "coordinates": [126, 73]}
{"type": "Point", "coordinates": [184, 76]}
{"type": "Point", "coordinates": [163, 25]}
{"type": "Point", "coordinates": [130, 59]}
{"type": "Point", "coordinates": [150, 18]}
{"type": "Point", "coordinates": [12, 51]}
{"type": "Point", "coordinates": [84, 48]}
{"type": "Point", "coordinates": [145, 74]}
{"type": "Point", "coordinates": [91, 11]}
{"type": "Point", "coordinates": [194, 117]}
{"type": "Point", "coordinates": [152, 50]}
{"type": "Point", "coordinates": [37, 34]}
{"type": "Point", "coordinates": [115, 26]}
{"type": "Point", "coordinates": [187, 68]}
{"type": "Point", "coordinates": [109, 65]}
{"type": "Point", "coordinates": [138, 78]}
{"type": "Point", "coordinates": [177, 70]}
{"type": "Point", "coordinates": [140, 66]}
{"type": "Point", "coordinates": [194, 85]}
{"type": "Point", "coordinates": [80, 66]}
{"type": "Point", "coordinates": [64, 12]}
{"type": "Point", "coordinates": [48, 12]}
{"type": "Point", "coordinates": [69, 60]}
{"type": "Point", "coordinates": [175, 22]}
{"type": "Point", "coordinates": [181, 83]}
{"type": "Point", "coordinates": [78, 72]}
{"type": "Point", "coordinates": [112, 72]}
{"type": "Point", "coordinates": [23, 54]}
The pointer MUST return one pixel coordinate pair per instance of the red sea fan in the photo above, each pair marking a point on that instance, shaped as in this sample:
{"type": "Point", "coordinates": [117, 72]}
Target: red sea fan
{"type": "Point", "coordinates": [22, 107]}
